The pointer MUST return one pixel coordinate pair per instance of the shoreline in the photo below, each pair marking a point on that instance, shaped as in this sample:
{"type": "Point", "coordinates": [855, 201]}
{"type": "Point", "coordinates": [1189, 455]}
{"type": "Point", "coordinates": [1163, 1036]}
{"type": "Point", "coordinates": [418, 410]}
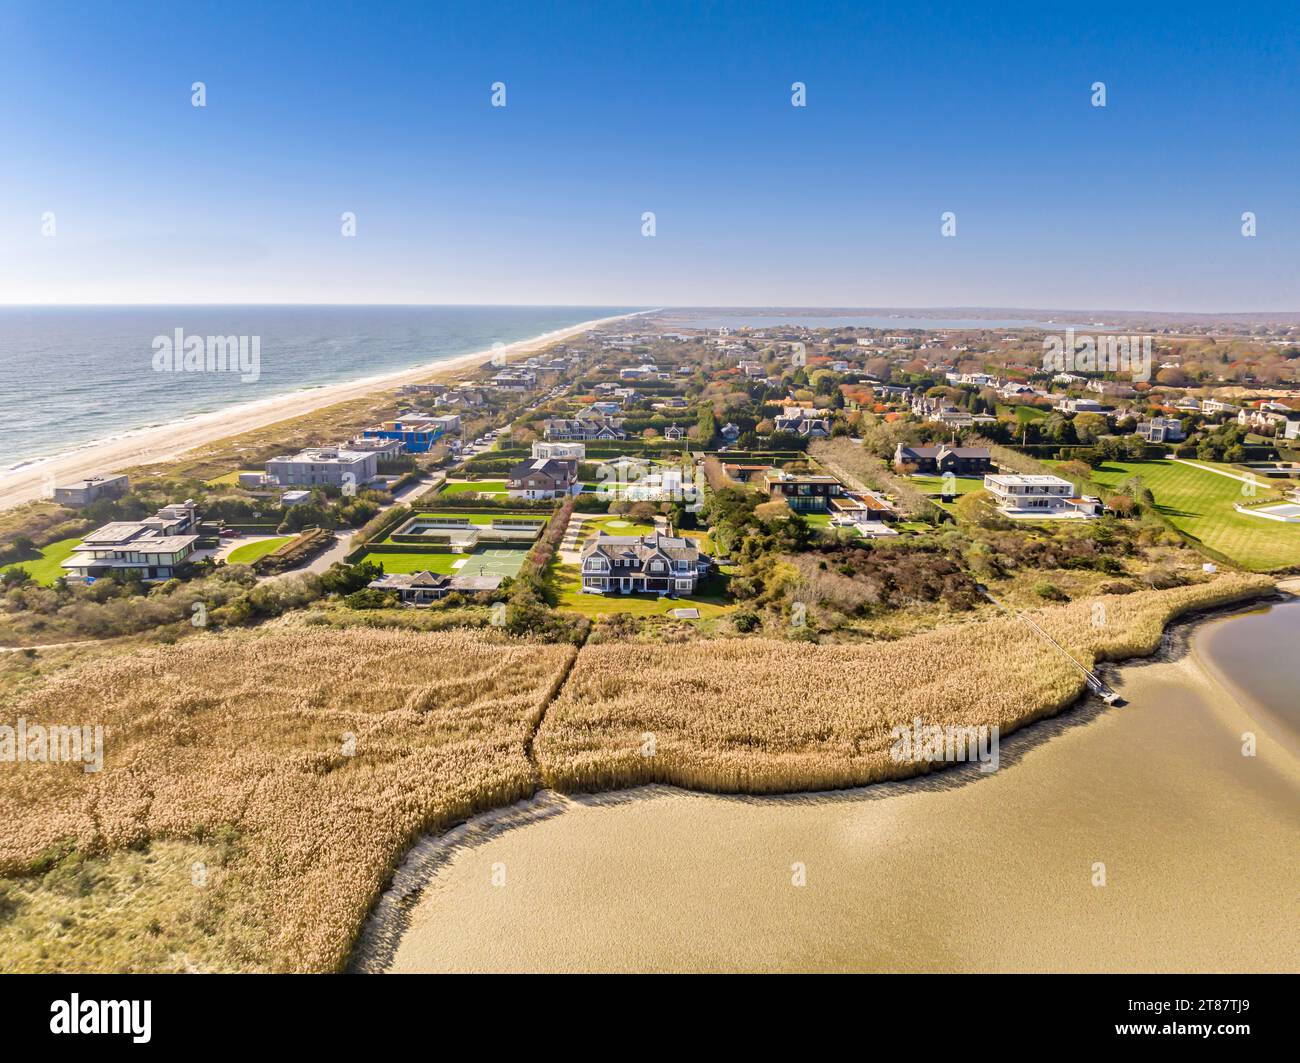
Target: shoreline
{"type": "Point", "coordinates": [32, 480]}
{"type": "Point", "coordinates": [394, 913]}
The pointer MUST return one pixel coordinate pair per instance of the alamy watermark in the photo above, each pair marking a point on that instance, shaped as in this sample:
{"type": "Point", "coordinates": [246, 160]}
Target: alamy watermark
{"type": "Point", "coordinates": [34, 743]}
{"type": "Point", "coordinates": [179, 353]}
{"type": "Point", "coordinates": [641, 481]}
{"type": "Point", "coordinates": [950, 743]}
{"type": "Point", "coordinates": [1100, 354]}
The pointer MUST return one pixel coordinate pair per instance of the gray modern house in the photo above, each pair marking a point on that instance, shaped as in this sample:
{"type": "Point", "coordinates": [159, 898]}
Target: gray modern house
{"type": "Point", "coordinates": [324, 466]}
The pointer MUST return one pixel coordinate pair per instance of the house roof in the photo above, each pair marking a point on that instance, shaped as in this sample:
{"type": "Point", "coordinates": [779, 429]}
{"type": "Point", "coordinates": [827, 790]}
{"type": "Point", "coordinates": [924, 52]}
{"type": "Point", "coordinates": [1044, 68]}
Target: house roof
{"type": "Point", "coordinates": [642, 547]}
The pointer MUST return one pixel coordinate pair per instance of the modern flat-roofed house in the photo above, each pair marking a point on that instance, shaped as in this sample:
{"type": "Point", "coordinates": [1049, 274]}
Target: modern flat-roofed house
{"type": "Point", "coordinates": [542, 478]}
{"type": "Point", "coordinates": [421, 588]}
{"type": "Point", "coordinates": [806, 492]}
{"type": "Point", "coordinates": [1214, 407]}
{"type": "Point", "coordinates": [1039, 496]}
{"type": "Point", "coordinates": [381, 448]}
{"type": "Point", "coordinates": [561, 451]}
{"type": "Point", "coordinates": [1071, 404]}
{"type": "Point", "coordinates": [324, 466]}
{"type": "Point", "coordinates": [515, 379]}
{"type": "Point", "coordinates": [641, 564]}
{"type": "Point", "coordinates": [1161, 430]}
{"type": "Point", "coordinates": [935, 461]}
{"type": "Point", "coordinates": [417, 434]}
{"type": "Point", "coordinates": [84, 492]}
{"type": "Point", "coordinates": [151, 549]}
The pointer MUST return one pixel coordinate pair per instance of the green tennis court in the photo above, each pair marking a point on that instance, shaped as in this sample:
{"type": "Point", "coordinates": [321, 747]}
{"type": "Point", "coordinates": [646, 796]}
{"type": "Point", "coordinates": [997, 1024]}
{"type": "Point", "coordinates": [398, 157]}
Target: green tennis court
{"type": "Point", "coordinates": [492, 561]}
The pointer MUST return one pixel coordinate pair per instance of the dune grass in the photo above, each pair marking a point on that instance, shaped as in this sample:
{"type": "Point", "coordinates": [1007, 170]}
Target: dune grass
{"type": "Point", "coordinates": [296, 766]}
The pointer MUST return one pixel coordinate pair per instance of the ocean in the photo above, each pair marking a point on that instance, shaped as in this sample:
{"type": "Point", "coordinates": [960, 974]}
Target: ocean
{"type": "Point", "coordinates": [76, 375]}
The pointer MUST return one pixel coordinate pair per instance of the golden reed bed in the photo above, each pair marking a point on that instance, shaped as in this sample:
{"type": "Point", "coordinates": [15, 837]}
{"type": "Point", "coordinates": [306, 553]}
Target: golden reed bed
{"type": "Point", "coordinates": [770, 716]}
{"type": "Point", "coordinates": [249, 732]}
{"type": "Point", "coordinates": [232, 752]}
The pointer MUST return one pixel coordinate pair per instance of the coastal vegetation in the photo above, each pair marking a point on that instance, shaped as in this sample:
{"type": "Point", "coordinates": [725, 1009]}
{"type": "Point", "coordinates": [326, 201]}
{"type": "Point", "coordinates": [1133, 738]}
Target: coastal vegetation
{"type": "Point", "coordinates": [289, 769]}
{"type": "Point", "coordinates": [769, 716]}
{"type": "Point", "coordinates": [256, 793]}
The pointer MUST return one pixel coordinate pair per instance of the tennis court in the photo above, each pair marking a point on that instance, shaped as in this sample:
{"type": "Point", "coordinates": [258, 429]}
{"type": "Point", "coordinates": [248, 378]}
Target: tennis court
{"type": "Point", "coordinates": [491, 561]}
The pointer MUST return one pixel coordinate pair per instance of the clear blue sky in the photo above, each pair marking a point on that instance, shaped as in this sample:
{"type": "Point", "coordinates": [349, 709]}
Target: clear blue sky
{"type": "Point", "coordinates": [619, 108]}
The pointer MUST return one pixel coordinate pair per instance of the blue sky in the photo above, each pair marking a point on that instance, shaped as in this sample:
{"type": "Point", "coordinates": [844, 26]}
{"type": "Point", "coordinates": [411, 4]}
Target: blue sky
{"type": "Point", "coordinates": [614, 109]}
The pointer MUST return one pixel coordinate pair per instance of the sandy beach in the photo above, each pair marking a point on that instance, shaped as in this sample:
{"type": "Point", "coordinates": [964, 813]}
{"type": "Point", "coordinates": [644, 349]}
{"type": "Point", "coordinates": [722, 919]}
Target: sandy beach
{"type": "Point", "coordinates": [157, 443]}
{"type": "Point", "coordinates": [957, 872]}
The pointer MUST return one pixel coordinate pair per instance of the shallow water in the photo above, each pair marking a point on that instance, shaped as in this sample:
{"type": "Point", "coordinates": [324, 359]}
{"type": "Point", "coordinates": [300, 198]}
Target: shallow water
{"type": "Point", "coordinates": [959, 871]}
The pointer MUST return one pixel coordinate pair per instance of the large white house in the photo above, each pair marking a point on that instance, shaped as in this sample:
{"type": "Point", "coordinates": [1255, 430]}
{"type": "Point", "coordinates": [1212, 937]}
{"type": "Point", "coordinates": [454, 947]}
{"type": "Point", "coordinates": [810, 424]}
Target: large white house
{"type": "Point", "coordinates": [1038, 497]}
{"type": "Point", "coordinates": [150, 549]}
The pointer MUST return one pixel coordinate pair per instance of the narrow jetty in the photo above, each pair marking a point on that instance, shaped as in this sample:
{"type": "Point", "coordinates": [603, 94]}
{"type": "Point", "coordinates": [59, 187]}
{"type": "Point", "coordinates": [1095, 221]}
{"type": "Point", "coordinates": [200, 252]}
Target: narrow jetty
{"type": "Point", "coordinates": [1095, 683]}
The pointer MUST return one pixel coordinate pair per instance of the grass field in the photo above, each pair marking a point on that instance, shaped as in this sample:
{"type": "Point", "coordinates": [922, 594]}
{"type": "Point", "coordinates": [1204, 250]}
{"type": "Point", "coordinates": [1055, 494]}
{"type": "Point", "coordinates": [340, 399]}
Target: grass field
{"type": "Point", "coordinates": [1199, 502]}
{"type": "Point", "coordinates": [231, 479]}
{"type": "Point", "coordinates": [492, 561]}
{"type": "Point", "coordinates": [1023, 414]}
{"type": "Point", "coordinates": [611, 526]}
{"type": "Point", "coordinates": [46, 570]}
{"type": "Point", "coordinates": [934, 484]}
{"type": "Point", "coordinates": [250, 552]}
{"type": "Point", "coordinates": [481, 487]}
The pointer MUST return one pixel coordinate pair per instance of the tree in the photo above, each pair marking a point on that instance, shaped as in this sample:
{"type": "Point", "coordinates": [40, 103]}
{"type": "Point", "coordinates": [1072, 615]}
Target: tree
{"type": "Point", "coordinates": [1089, 427]}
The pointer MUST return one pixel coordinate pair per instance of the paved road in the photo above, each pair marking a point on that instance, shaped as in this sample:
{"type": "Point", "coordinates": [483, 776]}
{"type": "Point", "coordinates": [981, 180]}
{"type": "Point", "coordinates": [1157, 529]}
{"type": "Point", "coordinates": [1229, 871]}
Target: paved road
{"type": "Point", "coordinates": [342, 545]}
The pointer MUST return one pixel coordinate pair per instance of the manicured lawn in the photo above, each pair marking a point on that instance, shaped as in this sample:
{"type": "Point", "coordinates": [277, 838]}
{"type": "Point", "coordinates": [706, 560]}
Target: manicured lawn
{"type": "Point", "coordinates": [250, 552]}
{"type": "Point", "coordinates": [487, 561]}
{"type": "Point", "coordinates": [567, 584]}
{"type": "Point", "coordinates": [1199, 502]}
{"type": "Point", "coordinates": [934, 484]}
{"type": "Point", "coordinates": [1025, 413]}
{"type": "Point", "coordinates": [611, 526]}
{"type": "Point", "coordinates": [481, 487]}
{"type": "Point", "coordinates": [45, 569]}
{"type": "Point", "coordinates": [230, 479]}
{"type": "Point", "coordinates": [395, 562]}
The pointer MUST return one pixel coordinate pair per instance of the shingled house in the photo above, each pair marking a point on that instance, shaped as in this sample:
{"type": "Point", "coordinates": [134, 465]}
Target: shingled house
{"type": "Point", "coordinates": [421, 588]}
{"type": "Point", "coordinates": [935, 461]}
{"type": "Point", "coordinates": [641, 564]}
{"type": "Point", "coordinates": [542, 478]}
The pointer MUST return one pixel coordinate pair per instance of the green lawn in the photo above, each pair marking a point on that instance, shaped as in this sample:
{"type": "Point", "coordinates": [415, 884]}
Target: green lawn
{"type": "Point", "coordinates": [934, 484]}
{"type": "Point", "coordinates": [1200, 503]}
{"type": "Point", "coordinates": [1024, 414]}
{"type": "Point", "coordinates": [492, 561]}
{"type": "Point", "coordinates": [567, 583]}
{"type": "Point", "coordinates": [230, 479]}
{"type": "Point", "coordinates": [611, 526]}
{"type": "Point", "coordinates": [250, 552]}
{"type": "Point", "coordinates": [46, 570]}
{"type": "Point", "coordinates": [481, 487]}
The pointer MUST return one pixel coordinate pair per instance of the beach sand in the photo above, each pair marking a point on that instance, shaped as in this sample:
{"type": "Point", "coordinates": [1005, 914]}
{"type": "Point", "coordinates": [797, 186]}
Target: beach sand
{"type": "Point", "coordinates": [955, 872]}
{"type": "Point", "coordinates": [166, 442]}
